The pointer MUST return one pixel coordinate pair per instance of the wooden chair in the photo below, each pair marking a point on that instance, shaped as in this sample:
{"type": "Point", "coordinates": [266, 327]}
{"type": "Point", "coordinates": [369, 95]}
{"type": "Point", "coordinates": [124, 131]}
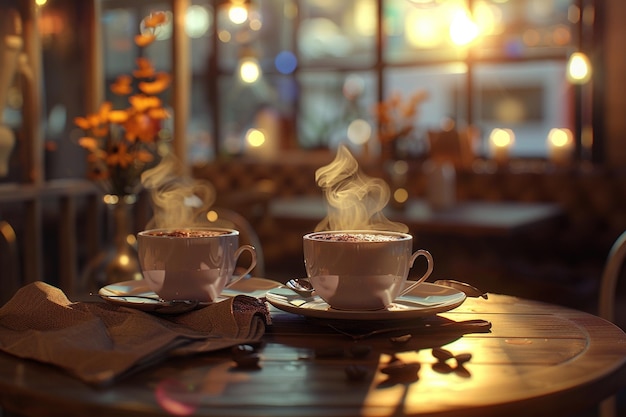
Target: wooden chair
{"type": "Point", "coordinates": [606, 307]}
{"type": "Point", "coordinates": [9, 263]}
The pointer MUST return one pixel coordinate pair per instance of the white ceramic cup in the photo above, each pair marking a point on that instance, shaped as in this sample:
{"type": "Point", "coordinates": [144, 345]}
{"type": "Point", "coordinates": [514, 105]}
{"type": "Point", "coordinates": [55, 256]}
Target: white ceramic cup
{"type": "Point", "coordinates": [367, 272]}
{"type": "Point", "coordinates": [191, 263]}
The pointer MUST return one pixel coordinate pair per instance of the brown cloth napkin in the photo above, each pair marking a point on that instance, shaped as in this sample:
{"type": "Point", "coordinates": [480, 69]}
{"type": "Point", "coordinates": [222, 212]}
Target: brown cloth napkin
{"type": "Point", "coordinates": [100, 342]}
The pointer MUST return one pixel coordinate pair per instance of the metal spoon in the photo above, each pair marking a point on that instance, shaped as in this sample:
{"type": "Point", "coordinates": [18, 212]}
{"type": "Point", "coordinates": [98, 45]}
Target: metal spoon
{"type": "Point", "coordinates": [301, 286]}
{"type": "Point", "coordinates": [468, 289]}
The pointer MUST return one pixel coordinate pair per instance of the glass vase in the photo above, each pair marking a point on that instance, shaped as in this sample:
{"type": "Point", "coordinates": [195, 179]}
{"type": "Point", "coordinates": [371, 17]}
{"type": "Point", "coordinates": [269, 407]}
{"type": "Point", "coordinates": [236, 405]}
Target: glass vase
{"type": "Point", "coordinates": [118, 259]}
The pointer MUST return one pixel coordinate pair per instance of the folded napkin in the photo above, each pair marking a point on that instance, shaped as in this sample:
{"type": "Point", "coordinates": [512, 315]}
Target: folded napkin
{"type": "Point", "coordinates": [100, 342]}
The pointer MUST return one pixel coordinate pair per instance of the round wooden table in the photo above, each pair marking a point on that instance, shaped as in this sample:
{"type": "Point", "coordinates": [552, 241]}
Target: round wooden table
{"type": "Point", "coordinates": [538, 359]}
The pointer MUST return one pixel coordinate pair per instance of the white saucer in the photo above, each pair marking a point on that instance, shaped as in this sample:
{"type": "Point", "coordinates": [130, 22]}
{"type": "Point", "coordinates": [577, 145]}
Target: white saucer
{"type": "Point", "coordinates": [425, 300]}
{"type": "Point", "coordinates": [136, 294]}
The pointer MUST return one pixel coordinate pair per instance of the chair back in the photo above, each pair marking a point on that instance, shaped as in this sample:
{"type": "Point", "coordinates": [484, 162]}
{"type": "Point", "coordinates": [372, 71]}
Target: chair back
{"type": "Point", "coordinates": [606, 302]}
{"type": "Point", "coordinates": [9, 262]}
{"type": "Point", "coordinates": [610, 275]}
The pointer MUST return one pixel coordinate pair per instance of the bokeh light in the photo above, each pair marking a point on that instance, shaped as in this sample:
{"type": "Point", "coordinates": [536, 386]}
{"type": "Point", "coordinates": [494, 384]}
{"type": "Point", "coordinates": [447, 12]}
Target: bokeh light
{"type": "Point", "coordinates": [578, 68]}
{"type": "Point", "coordinates": [401, 195]}
{"type": "Point", "coordinates": [238, 14]}
{"type": "Point", "coordinates": [197, 21]}
{"type": "Point", "coordinates": [255, 138]}
{"type": "Point", "coordinates": [463, 30]}
{"type": "Point", "coordinates": [249, 70]}
{"type": "Point", "coordinates": [359, 132]}
{"type": "Point", "coordinates": [502, 138]}
{"type": "Point", "coordinates": [286, 62]}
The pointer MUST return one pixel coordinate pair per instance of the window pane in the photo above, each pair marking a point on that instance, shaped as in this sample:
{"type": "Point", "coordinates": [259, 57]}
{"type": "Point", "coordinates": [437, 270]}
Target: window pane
{"type": "Point", "coordinates": [261, 29]}
{"type": "Point", "coordinates": [414, 33]}
{"type": "Point", "coordinates": [445, 88]}
{"type": "Point", "coordinates": [199, 23]}
{"type": "Point", "coordinates": [341, 33]}
{"type": "Point", "coordinates": [525, 28]}
{"type": "Point", "coordinates": [329, 103]}
{"type": "Point", "coordinates": [119, 27]}
{"type": "Point", "coordinates": [528, 98]}
{"type": "Point", "coordinates": [262, 105]}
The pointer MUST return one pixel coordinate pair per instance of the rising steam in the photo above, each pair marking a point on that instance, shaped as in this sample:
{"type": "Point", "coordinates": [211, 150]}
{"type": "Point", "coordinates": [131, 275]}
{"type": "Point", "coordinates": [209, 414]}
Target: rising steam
{"type": "Point", "coordinates": [355, 201]}
{"type": "Point", "coordinates": [178, 201]}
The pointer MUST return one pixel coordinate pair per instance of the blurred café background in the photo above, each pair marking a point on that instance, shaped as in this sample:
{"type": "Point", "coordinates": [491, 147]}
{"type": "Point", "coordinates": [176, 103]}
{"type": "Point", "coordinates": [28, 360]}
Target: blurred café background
{"type": "Point", "coordinates": [491, 101]}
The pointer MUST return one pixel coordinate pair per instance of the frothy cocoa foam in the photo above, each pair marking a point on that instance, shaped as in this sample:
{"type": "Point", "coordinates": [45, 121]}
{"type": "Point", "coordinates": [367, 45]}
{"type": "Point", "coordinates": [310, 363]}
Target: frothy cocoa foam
{"type": "Point", "coordinates": [188, 233]}
{"type": "Point", "coordinates": [356, 237]}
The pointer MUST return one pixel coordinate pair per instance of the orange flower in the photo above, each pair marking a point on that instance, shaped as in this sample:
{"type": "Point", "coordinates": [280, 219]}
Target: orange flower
{"type": "Point", "coordinates": [122, 85]}
{"type": "Point", "coordinates": [155, 19]}
{"type": "Point", "coordinates": [161, 82]}
{"type": "Point", "coordinates": [118, 116]}
{"type": "Point", "coordinates": [141, 127]}
{"type": "Point", "coordinates": [105, 109]}
{"type": "Point", "coordinates": [158, 114]}
{"type": "Point", "coordinates": [143, 103]}
{"type": "Point", "coordinates": [120, 156]}
{"type": "Point", "coordinates": [395, 117]}
{"type": "Point", "coordinates": [122, 143]}
{"type": "Point", "coordinates": [144, 39]}
{"type": "Point", "coordinates": [144, 68]}
{"type": "Point", "coordinates": [82, 122]}
{"type": "Point", "coordinates": [91, 144]}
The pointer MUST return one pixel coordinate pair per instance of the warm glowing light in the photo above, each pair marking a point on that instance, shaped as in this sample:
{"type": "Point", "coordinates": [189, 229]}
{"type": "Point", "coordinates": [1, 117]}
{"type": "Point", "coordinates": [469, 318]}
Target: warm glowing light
{"type": "Point", "coordinates": [131, 239]}
{"type": "Point", "coordinates": [41, 2]}
{"type": "Point", "coordinates": [364, 21]}
{"type": "Point", "coordinates": [423, 3]}
{"type": "Point", "coordinates": [238, 14]}
{"type": "Point", "coordinates": [578, 68]}
{"type": "Point", "coordinates": [488, 18]}
{"type": "Point", "coordinates": [110, 199]}
{"type": "Point", "coordinates": [359, 132]}
{"type": "Point", "coordinates": [560, 137]}
{"type": "Point", "coordinates": [124, 260]}
{"type": "Point", "coordinates": [502, 138]}
{"type": "Point", "coordinates": [249, 71]}
{"type": "Point", "coordinates": [255, 138]}
{"type": "Point", "coordinates": [423, 29]}
{"type": "Point", "coordinates": [401, 195]}
{"type": "Point", "coordinates": [212, 216]}
{"type": "Point", "coordinates": [463, 30]}
{"type": "Point", "coordinates": [224, 36]}
{"type": "Point", "coordinates": [560, 145]}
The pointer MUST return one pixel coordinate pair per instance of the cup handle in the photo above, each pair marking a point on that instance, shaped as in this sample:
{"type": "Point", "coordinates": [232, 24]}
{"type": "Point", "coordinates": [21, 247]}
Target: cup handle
{"type": "Point", "coordinates": [238, 252]}
{"type": "Point", "coordinates": [431, 265]}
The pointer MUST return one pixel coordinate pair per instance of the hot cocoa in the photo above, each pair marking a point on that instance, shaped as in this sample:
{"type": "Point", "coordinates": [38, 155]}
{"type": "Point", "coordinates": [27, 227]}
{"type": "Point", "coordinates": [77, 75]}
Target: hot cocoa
{"type": "Point", "coordinates": [188, 233]}
{"type": "Point", "coordinates": [192, 263]}
{"type": "Point", "coordinates": [356, 237]}
{"type": "Point", "coordinates": [361, 269]}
